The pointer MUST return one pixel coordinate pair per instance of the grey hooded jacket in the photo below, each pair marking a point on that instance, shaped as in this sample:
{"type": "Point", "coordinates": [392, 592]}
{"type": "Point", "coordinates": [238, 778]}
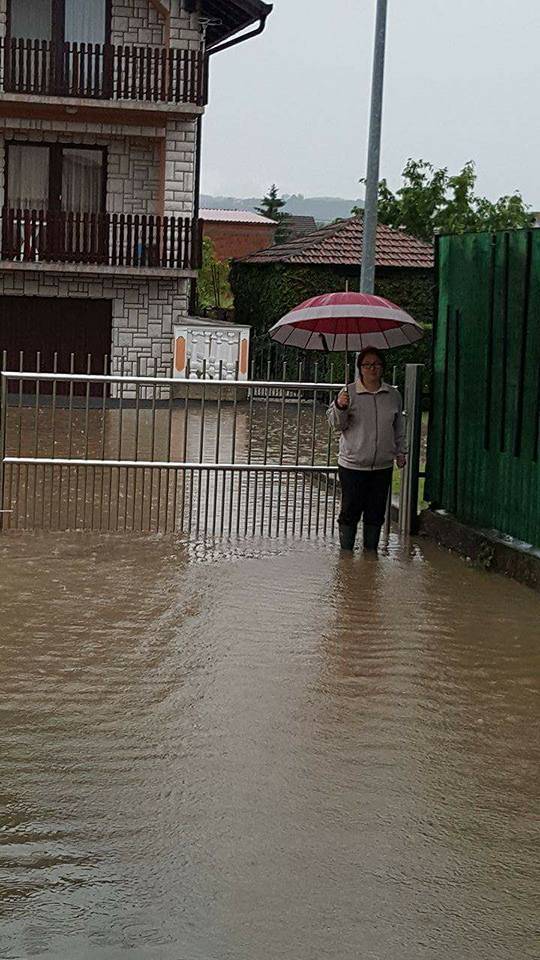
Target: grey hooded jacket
{"type": "Point", "coordinates": [372, 428]}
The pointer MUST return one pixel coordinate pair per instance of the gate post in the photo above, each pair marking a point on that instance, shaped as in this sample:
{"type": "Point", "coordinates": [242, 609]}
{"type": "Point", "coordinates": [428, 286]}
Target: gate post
{"type": "Point", "coordinates": [408, 495]}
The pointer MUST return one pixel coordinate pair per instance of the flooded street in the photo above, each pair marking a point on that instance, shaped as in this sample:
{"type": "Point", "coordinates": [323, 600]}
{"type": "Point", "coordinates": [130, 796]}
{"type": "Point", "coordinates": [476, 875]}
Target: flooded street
{"type": "Point", "coordinates": [256, 750]}
{"type": "Point", "coordinates": [155, 499]}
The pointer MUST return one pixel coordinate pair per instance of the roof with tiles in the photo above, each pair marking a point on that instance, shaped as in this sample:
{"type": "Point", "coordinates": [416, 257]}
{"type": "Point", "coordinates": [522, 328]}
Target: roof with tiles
{"type": "Point", "coordinates": [235, 216]}
{"type": "Point", "coordinates": [340, 244]}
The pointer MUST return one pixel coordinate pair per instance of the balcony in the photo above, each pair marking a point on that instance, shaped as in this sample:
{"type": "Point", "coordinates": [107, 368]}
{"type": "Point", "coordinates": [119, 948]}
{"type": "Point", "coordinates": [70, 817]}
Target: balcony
{"type": "Point", "coordinates": [99, 243]}
{"type": "Point", "coordinates": [125, 75]}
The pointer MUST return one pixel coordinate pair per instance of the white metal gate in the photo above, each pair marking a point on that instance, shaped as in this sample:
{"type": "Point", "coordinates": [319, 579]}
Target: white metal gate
{"type": "Point", "coordinates": [111, 453]}
{"type": "Point", "coordinates": [150, 454]}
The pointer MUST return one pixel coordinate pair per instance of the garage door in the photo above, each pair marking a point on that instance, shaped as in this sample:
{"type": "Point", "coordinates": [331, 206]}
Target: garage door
{"type": "Point", "coordinates": [41, 327]}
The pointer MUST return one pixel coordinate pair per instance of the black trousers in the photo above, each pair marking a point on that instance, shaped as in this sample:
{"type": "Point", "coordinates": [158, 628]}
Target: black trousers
{"type": "Point", "coordinates": [364, 493]}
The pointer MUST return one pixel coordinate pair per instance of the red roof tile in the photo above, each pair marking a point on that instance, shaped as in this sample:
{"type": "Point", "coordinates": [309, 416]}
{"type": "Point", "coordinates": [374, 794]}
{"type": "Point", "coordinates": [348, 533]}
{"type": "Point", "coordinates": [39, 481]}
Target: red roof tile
{"type": "Point", "coordinates": [340, 244]}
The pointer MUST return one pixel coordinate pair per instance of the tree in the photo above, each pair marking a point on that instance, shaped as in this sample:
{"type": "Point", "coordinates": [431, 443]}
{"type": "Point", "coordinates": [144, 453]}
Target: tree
{"type": "Point", "coordinates": [430, 201]}
{"type": "Point", "coordinates": [213, 288]}
{"type": "Point", "coordinates": [271, 205]}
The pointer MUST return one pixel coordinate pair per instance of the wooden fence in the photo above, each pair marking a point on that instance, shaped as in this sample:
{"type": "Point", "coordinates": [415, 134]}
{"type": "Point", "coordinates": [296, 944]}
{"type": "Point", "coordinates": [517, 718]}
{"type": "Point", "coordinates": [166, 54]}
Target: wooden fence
{"type": "Point", "coordinates": [112, 239]}
{"type": "Point", "coordinates": [484, 456]}
{"type": "Point", "coordinates": [103, 71]}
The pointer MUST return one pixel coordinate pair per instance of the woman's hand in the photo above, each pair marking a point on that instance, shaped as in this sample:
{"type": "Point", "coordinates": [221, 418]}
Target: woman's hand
{"type": "Point", "coordinates": [401, 460]}
{"type": "Point", "coordinates": [343, 399]}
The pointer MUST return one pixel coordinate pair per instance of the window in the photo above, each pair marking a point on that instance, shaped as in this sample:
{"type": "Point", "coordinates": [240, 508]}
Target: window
{"type": "Point", "coordinates": [28, 177]}
{"type": "Point", "coordinates": [73, 21]}
{"type": "Point", "coordinates": [84, 21]}
{"type": "Point", "coordinates": [55, 177]}
{"type": "Point", "coordinates": [31, 19]}
{"type": "Point", "coordinates": [82, 180]}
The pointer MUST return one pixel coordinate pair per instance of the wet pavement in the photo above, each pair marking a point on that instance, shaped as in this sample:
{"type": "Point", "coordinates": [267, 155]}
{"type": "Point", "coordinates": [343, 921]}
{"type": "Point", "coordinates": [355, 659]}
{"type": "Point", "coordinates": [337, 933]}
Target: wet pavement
{"type": "Point", "coordinates": [256, 750]}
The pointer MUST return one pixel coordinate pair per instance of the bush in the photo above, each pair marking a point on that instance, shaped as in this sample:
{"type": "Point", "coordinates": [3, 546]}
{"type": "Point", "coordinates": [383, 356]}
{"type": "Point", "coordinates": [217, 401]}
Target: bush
{"type": "Point", "coordinates": [213, 290]}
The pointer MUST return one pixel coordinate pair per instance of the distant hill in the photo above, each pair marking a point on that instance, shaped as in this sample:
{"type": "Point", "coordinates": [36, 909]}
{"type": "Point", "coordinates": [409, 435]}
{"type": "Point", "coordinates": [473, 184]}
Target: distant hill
{"type": "Point", "coordinates": [323, 209]}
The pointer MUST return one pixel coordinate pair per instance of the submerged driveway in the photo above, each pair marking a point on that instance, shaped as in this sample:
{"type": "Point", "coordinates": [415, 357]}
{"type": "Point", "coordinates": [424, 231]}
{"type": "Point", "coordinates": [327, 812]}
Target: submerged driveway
{"type": "Point", "coordinates": [260, 751]}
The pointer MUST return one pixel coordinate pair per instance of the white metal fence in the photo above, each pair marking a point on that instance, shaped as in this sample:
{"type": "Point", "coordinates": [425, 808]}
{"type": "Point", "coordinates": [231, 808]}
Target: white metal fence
{"type": "Point", "coordinates": [83, 452]}
{"type": "Point", "coordinates": [149, 454]}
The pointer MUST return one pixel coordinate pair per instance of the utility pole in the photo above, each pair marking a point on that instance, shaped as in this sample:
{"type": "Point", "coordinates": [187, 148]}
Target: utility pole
{"type": "Point", "coordinates": [367, 278]}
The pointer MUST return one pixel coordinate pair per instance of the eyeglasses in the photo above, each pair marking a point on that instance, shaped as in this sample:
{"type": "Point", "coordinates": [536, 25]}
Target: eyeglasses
{"type": "Point", "coordinates": [371, 366]}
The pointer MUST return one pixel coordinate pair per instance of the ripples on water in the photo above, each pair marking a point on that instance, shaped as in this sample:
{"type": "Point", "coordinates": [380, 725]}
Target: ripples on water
{"type": "Point", "coordinates": [263, 752]}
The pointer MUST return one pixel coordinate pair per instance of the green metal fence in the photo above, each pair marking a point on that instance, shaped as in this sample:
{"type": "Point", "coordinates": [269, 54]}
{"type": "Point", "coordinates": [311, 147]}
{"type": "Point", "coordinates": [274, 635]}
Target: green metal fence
{"type": "Point", "coordinates": [483, 456]}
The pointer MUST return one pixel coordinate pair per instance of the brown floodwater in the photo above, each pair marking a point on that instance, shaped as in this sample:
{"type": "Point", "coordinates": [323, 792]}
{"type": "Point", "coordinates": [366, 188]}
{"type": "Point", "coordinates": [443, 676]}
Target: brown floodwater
{"type": "Point", "coordinates": [53, 497]}
{"type": "Point", "coordinates": [256, 750]}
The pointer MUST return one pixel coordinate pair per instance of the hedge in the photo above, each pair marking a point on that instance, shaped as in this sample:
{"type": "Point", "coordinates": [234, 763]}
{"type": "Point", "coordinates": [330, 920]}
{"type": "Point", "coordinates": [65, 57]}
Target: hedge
{"type": "Point", "coordinates": [265, 292]}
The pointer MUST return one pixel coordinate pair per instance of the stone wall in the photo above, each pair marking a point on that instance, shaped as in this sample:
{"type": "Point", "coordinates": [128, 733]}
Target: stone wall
{"type": "Point", "coordinates": [184, 27]}
{"type": "Point", "coordinates": [180, 167]}
{"type": "Point", "coordinates": [133, 176]}
{"type": "Point", "coordinates": [81, 127]}
{"type": "Point", "coordinates": [143, 312]}
{"type": "Point", "coordinates": [137, 22]}
{"type": "Point", "coordinates": [134, 162]}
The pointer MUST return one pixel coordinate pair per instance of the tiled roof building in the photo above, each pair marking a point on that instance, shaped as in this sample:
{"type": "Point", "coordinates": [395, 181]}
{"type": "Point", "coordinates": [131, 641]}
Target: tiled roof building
{"type": "Point", "coordinates": [270, 282]}
{"type": "Point", "coordinates": [294, 226]}
{"type": "Point", "coordinates": [340, 244]}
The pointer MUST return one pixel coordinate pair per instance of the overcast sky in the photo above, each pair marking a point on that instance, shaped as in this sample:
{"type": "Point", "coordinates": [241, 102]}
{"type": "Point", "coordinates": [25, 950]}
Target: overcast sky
{"type": "Point", "coordinates": [462, 82]}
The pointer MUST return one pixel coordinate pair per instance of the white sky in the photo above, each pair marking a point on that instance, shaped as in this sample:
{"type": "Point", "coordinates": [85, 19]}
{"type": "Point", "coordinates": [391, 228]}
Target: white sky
{"type": "Point", "coordinates": [462, 82]}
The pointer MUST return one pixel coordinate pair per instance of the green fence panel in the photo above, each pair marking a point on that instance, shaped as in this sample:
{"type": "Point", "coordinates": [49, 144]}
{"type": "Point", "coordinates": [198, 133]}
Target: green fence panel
{"type": "Point", "coordinates": [483, 453]}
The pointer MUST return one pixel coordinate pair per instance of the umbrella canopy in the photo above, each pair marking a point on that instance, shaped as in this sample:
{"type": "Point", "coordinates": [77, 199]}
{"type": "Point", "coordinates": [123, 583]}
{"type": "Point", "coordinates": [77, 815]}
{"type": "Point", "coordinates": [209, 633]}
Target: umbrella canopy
{"type": "Point", "coordinates": [346, 321]}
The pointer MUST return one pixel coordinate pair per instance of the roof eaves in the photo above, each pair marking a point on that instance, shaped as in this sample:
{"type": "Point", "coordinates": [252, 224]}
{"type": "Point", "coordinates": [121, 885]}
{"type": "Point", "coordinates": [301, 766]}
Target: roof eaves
{"type": "Point", "coordinates": [230, 16]}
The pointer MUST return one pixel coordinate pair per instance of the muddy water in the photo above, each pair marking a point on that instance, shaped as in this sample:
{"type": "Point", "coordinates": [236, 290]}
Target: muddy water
{"type": "Point", "coordinates": [88, 497]}
{"type": "Point", "coordinates": [262, 752]}
{"type": "Point", "coordinates": [240, 432]}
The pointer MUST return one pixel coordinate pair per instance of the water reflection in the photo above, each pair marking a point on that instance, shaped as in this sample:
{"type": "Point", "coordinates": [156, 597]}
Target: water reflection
{"type": "Point", "coordinates": [217, 433]}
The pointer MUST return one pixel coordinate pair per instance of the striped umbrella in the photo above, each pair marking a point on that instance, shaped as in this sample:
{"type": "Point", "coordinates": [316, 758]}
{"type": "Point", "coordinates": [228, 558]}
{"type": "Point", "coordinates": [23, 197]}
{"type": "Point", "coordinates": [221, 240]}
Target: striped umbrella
{"type": "Point", "coordinates": [346, 321]}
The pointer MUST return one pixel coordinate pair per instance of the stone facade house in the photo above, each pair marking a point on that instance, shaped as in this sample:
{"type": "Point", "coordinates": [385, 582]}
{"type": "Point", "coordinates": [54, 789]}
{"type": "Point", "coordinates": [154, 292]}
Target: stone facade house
{"type": "Point", "coordinates": [100, 122]}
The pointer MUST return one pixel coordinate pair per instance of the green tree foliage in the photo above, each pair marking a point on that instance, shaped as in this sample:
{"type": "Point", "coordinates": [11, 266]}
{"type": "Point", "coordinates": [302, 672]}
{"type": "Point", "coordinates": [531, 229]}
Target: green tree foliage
{"type": "Point", "coordinates": [271, 207]}
{"type": "Point", "coordinates": [431, 201]}
{"type": "Point", "coordinates": [213, 283]}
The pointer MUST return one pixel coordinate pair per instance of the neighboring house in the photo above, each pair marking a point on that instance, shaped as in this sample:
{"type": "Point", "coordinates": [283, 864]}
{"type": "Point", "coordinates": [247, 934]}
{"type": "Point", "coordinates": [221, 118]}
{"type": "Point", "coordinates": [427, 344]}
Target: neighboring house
{"type": "Point", "coordinates": [237, 233]}
{"type": "Point", "coordinates": [269, 283]}
{"type": "Point", "coordinates": [293, 226]}
{"type": "Point", "coordinates": [100, 107]}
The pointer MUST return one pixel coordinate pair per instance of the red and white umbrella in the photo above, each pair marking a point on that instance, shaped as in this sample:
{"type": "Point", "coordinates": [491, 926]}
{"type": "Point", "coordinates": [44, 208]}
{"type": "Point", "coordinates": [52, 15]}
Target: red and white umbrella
{"type": "Point", "coordinates": [346, 321]}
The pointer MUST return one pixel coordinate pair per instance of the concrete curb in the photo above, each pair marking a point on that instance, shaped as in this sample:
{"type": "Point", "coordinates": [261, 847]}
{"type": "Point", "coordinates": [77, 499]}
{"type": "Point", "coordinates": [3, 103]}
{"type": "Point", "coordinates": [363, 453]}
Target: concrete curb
{"type": "Point", "coordinates": [487, 549]}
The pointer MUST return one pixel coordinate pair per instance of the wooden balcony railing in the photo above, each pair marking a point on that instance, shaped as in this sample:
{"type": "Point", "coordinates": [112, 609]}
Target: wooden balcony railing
{"type": "Point", "coordinates": [102, 71]}
{"type": "Point", "coordinates": [114, 240]}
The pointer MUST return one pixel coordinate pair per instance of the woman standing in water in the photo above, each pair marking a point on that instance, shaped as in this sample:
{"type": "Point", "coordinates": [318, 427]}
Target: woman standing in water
{"type": "Point", "coordinates": [369, 417]}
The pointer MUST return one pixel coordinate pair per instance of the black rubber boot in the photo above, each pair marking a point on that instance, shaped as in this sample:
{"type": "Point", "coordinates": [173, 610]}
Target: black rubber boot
{"type": "Point", "coordinates": [347, 536]}
{"type": "Point", "coordinates": [372, 535]}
